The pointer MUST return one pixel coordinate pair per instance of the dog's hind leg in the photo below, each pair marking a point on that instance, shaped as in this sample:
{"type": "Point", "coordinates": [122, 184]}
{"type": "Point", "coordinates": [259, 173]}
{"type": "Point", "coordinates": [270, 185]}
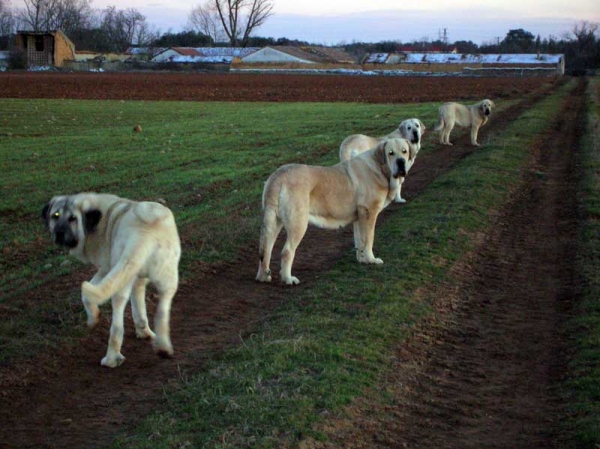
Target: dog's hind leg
{"type": "Point", "coordinates": [113, 356]}
{"type": "Point", "coordinates": [138, 309]}
{"type": "Point", "coordinates": [446, 132]}
{"type": "Point", "coordinates": [295, 233]}
{"type": "Point", "coordinates": [269, 231]}
{"type": "Point", "coordinates": [441, 128]}
{"type": "Point", "coordinates": [167, 286]}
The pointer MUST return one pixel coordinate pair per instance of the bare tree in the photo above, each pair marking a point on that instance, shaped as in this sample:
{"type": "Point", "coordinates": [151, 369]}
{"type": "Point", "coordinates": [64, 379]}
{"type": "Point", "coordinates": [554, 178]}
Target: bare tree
{"type": "Point", "coordinates": [64, 15]}
{"type": "Point", "coordinates": [7, 25]}
{"type": "Point", "coordinates": [205, 19]}
{"type": "Point", "coordinates": [7, 21]}
{"type": "Point", "coordinates": [71, 15]}
{"type": "Point", "coordinates": [585, 34]}
{"type": "Point", "coordinates": [37, 14]}
{"type": "Point", "coordinates": [237, 18]}
{"type": "Point", "coordinates": [120, 29]}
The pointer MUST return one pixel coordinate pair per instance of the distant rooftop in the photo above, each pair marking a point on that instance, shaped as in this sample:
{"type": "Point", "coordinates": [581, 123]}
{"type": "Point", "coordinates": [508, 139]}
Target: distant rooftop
{"type": "Point", "coordinates": [462, 58]}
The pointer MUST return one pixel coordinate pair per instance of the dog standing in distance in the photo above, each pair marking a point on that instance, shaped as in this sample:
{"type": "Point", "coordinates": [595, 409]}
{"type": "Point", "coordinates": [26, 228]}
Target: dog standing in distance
{"type": "Point", "coordinates": [354, 191]}
{"type": "Point", "coordinates": [131, 244]}
{"type": "Point", "coordinates": [473, 116]}
{"type": "Point", "coordinates": [411, 129]}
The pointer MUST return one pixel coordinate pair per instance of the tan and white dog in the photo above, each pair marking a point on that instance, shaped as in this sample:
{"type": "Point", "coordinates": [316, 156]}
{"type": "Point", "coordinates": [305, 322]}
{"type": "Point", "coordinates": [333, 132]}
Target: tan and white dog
{"type": "Point", "coordinates": [473, 116]}
{"type": "Point", "coordinates": [131, 244]}
{"type": "Point", "coordinates": [411, 129]}
{"type": "Point", "coordinates": [354, 191]}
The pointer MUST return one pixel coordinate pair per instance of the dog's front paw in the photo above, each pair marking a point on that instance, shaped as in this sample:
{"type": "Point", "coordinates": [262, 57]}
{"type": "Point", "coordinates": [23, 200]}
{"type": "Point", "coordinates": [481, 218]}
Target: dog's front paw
{"type": "Point", "coordinates": [162, 348]}
{"type": "Point", "coordinates": [370, 260]}
{"type": "Point", "coordinates": [113, 361]}
{"type": "Point", "coordinates": [292, 280]}
{"type": "Point", "coordinates": [263, 276]}
{"type": "Point", "coordinates": [93, 320]}
{"type": "Point", "coordinates": [399, 200]}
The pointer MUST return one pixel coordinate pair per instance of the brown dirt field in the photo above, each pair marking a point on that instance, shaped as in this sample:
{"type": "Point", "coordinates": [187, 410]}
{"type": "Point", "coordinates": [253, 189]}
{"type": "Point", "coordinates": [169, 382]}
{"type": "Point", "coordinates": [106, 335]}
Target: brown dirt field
{"type": "Point", "coordinates": [468, 373]}
{"type": "Point", "coordinates": [260, 87]}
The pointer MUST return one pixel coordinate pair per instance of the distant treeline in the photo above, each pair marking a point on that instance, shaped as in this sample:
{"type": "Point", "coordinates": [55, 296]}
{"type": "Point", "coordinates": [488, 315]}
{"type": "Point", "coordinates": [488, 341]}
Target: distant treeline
{"type": "Point", "coordinates": [114, 30]}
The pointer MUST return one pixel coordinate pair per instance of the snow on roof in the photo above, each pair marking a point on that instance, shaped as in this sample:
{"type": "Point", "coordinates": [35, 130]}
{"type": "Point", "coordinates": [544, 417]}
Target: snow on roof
{"type": "Point", "coordinates": [232, 52]}
{"type": "Point", "coordinates": [205, 59]}
{"type": "Point", "coordinates": [144, 50]}
{"type": "Point", "coordinates": [376, 58]}
{"type": "Point", "coordinates": [458, 58]}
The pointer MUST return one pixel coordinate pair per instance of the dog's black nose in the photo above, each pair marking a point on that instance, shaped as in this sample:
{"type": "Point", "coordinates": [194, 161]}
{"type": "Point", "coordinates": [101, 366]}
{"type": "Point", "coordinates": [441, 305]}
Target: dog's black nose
{"type": "Point", "coordinates": [64, 237]}
{"type": "Point", "coordinates": [401, 167]}
{"type": "Point", "coordinates": [59, 237]}
{"type": "Point", "coordinates": [415, 138]}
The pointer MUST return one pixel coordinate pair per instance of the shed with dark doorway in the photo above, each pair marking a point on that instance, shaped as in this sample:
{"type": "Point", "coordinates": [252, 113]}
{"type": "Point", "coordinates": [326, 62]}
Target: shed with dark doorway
{"type": "Point", "coordinates": [46, 48]}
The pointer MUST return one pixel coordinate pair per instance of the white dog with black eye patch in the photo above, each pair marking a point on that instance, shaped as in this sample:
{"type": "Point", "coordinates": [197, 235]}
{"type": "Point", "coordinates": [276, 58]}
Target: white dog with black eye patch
{"type": "Point", "coordinates": [131, 244]}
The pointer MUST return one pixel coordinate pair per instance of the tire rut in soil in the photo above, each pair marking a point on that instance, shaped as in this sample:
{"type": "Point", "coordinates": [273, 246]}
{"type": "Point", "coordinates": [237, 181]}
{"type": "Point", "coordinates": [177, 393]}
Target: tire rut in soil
{"type": "Point", "coordinates": [66, 399]}
{"type": "Point", "coordinates": [485, 371]}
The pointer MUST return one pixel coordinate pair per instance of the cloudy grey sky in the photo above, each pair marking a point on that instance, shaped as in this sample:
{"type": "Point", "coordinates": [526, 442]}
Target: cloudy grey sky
{"type": "Point", "coordinates": [334, 21]}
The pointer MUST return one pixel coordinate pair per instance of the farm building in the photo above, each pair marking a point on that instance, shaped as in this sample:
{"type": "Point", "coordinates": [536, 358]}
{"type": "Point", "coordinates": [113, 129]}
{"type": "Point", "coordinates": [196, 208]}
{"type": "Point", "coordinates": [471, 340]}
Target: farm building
{"type": "Point", "coordinates": [301, 55]}
{"type": "Point", "coordinates": [214, 55]}
{"type": "Point", "coordinates": [84, 56]}
{"type": "Point", "coordinates": [51, 48]}
{"type": "Point", "coordinates": [452, 62]}
{"type": "Point", "coordinates": [143, 53]}
{"type": "Point", "coordinates": [170, 53]}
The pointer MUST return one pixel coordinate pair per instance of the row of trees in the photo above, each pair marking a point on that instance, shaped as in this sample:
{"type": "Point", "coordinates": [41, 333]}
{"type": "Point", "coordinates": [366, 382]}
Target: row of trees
{"type": "Point", "coordinates": [234, 23]}
{"type": "Point", "coordinates": [581, 46]}
{"type": "Point", "coordinates": [110, 29]}
{"type": "Point", "coordinates": [114, 29]}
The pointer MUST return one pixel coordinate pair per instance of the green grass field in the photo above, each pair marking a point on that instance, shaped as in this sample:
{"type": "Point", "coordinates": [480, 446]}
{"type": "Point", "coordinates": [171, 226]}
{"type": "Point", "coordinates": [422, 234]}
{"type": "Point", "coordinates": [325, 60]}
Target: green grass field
{"type": "Point", "coordinates": [315, 353]}
{"type": "Point", "coordinates": [583, 384]}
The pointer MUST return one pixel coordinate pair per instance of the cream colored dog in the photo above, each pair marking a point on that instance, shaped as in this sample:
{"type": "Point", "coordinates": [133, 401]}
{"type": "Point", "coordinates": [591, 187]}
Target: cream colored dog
{"type": "Point", "coordinates": [130, 243]}
{"type": "Point", "coordinates": [353, 191]}
{"type": "Point", "coordinates": [412, 130]}
{"type": "Point", "coordinates": [473, 116]}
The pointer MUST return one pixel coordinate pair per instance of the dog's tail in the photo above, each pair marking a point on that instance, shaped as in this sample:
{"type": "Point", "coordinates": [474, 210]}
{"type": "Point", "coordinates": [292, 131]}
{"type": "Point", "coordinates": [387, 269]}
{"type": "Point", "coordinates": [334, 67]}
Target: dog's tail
{"type": "Point", "coordinates": [440, 124]}
{"type": "Point", "coordinates": [119, 276]}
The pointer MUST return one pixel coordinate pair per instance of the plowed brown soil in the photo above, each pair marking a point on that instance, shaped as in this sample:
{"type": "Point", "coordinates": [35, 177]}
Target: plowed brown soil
{"type": "Point", "coordinates": [65, 399]}
{"type": "Point", "coordinates": [259, 87]}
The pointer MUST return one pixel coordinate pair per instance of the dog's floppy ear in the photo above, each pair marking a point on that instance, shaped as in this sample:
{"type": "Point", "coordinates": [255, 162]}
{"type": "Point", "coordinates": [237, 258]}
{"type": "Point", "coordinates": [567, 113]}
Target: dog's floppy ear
{"type": "Point", "coordinates": [91, 218]}
{"type": "Point", "coordinates": [423, 128]}
{"type": "Point", "coordinates": [492, 104]}
{"type": "Point", "coordinates": [382, 160]}
{"type": "Point", "coordinates": [45, 212]}
{"type": "Point", "coordinates": [402, 128]}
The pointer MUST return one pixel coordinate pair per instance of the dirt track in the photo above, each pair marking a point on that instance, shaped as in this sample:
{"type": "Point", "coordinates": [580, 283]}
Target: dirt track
{"type": "Point", "coordinates": [485, 374]}
{"type": "Point", "coordinates": [77, 403]}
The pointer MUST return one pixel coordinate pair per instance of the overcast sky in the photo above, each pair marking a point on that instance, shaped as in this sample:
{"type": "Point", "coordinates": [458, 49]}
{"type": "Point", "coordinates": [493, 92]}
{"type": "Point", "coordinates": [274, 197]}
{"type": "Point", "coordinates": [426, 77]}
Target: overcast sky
{"type": "Point", "coordinates": [334, 21]}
